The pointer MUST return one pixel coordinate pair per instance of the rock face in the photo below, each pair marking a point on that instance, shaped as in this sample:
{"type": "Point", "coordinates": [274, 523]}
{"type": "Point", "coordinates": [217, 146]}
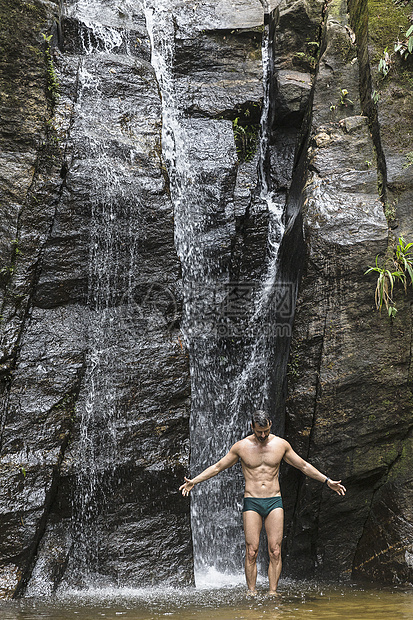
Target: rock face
{"type": "Point", "coordinates": [94, 376]}
{"type": "Point", "coordinates": [155, 153]}
{"type": "Point", "coordinates": [349, 396]}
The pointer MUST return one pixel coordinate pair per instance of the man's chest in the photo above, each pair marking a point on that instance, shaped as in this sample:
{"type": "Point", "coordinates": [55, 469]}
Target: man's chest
{"type": "Point", "coordinates": [259, 458]}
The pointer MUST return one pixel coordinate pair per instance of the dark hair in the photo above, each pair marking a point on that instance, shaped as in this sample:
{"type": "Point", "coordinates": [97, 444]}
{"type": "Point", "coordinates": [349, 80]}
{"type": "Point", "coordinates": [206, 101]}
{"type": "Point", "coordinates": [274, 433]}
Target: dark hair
{"type": "Point", "coordinates": [260, 418]}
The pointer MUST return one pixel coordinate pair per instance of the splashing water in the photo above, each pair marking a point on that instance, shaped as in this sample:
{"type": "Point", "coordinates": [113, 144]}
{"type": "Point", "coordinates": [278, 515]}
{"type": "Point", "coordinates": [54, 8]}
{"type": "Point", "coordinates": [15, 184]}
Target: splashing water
{"type": "Point", "coordinates": [223, 388]}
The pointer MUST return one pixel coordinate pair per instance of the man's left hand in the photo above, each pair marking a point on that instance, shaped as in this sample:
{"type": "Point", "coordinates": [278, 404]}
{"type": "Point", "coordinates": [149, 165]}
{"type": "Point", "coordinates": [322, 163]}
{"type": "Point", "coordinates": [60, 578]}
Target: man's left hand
{"type": "Point", "coordinates": [335, 485]}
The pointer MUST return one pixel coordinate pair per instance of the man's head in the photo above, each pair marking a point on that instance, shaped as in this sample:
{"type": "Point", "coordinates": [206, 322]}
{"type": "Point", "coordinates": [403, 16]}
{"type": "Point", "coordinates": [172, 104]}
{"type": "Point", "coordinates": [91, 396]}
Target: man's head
{"type": "Point", "coordinates": [261, 425]}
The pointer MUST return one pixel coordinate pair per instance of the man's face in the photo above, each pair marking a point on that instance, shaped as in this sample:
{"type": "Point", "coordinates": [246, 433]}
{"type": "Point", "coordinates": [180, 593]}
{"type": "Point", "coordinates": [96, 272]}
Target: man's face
{"type": "Point", "coordinates": [261, 432]}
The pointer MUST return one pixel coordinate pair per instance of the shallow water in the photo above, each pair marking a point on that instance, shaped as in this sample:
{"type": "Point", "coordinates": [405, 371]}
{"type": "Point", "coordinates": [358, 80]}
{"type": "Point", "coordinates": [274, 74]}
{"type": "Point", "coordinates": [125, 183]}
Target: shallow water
{"type": "Point", "coordinates": [296, 602]}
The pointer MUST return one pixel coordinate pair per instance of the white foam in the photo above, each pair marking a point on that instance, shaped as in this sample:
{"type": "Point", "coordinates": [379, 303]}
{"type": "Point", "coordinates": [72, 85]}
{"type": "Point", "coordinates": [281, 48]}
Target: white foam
{"type": "Point", "coordinates": [212, 578]}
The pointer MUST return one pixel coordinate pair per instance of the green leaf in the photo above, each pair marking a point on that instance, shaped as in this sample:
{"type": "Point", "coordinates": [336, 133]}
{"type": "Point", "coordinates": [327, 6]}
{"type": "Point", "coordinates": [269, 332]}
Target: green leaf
{"type": "Point", "coordinates": [392, 311]}
{"type": "Point", "coordinates": [410, 31]}
{"type": "Point", "coordinates": [383, 66]}
{"type": "Point", "coordinates": [410, 272]}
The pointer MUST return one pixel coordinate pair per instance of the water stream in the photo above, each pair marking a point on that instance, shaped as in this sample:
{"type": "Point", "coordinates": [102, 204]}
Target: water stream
{"type": "Point", "coordinates": [231, 374]}
{"type": "Point", "coordinates": [104, 164]}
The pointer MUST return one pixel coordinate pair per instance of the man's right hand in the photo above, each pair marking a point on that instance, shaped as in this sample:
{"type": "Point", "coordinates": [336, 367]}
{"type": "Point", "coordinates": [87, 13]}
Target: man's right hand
{"type": "Point", "coordinates": [186, 487]}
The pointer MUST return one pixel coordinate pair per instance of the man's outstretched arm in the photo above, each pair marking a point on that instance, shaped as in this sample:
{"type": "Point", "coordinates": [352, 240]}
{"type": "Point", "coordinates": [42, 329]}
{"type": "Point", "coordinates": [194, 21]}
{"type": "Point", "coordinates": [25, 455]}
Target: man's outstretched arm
{"type": "Point", "coordinates": [292, 458]}
{"type": "Point", "coordinates": [227, 461]}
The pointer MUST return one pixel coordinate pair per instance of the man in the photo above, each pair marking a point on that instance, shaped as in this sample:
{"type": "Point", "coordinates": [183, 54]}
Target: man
{"type": "Point", "coordinates": [261, 454]}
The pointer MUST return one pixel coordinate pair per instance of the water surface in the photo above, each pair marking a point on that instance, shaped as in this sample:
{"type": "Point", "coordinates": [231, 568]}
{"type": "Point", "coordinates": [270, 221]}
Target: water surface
{"type": "Point", "coordinates": [296, 602]}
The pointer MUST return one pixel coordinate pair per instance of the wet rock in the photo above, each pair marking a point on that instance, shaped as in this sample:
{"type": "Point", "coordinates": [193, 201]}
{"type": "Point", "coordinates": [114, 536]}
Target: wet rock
{"type": "Point", "coordinates": [348, 403]}
{"type": "Point", "coordinates": [385, 549]}
{"type": "Point", "coordinates": [92, 282]}
{"type": "Point", "coordinates": [294, 89]}
{"type": "Point", "coordinates": [221, 15]}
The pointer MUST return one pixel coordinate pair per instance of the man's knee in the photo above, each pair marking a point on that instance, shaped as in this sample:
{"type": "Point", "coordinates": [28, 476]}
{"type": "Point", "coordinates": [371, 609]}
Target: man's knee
{"type": "Point", "coordinates": [274, 551]}
{"type": "Point", "coordinates": [252, 553]}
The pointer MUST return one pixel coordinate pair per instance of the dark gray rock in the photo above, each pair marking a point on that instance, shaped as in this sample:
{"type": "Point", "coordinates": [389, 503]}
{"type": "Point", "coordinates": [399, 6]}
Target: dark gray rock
{"type": "Point", "coordinates": [349, 398]}
{"type": "Point", "coordinates": [92, 300]}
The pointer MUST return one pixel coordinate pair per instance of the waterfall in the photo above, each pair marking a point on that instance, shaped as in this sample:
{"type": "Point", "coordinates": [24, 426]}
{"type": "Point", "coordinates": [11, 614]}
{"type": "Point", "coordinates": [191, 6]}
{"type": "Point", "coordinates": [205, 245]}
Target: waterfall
{"type": "Point", "coordinates": [257, 375]}
{"type": "Point", "coordinates": [107, 176]}
{"type": "Point", "coordinates": [231, 371]}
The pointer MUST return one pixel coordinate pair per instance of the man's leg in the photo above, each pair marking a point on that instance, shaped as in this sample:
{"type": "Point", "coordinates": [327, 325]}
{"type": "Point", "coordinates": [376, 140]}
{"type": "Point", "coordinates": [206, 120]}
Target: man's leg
{"type": "Point", "coordinates": [252, 530]}
{"type": "Point", "coordinates": [274, 524]}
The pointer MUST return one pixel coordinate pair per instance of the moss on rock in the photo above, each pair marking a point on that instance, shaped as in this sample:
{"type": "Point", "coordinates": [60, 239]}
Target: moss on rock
{"type": "Point", "coordinates": [23, 72]}
{"type": "Point", "coordinates": [387, 22]}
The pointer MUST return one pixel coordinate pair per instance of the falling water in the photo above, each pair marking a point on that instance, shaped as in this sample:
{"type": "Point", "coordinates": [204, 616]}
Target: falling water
{"type": "Point", "coordinates": [114, 218]}
{"type": "Point", "coordinates": [228, 380]}
{"type": "Point", "coordinates": [254, 384]}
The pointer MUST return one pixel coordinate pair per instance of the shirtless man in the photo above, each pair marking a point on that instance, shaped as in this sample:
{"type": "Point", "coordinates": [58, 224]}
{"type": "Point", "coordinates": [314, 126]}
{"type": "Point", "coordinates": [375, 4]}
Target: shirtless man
{"type": "Point", "coordinates": [261, 454]}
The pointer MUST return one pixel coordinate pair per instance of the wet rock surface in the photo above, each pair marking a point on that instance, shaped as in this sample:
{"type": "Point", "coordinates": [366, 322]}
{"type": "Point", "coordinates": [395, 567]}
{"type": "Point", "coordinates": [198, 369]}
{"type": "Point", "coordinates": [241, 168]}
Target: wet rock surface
{"type": "Point", "coordinates": [104, 230]}
{"type": "Point", "coordinates": [91, 282]}
{"type": "Point", "coordinates": [349, 396]}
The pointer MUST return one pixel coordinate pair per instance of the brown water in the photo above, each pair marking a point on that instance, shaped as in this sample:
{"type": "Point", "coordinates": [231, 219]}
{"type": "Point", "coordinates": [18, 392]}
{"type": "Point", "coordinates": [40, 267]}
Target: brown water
{"type": "Point", "coordinates": [296, 602]}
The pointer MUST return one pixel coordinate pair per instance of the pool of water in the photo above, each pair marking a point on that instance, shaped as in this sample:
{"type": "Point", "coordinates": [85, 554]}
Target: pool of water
{"type": "Point", "coordinates": [295, 602]}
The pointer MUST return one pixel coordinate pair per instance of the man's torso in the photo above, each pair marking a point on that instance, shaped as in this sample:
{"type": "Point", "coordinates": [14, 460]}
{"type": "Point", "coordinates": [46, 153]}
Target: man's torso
{"type": "Point", "coordinates": [261, 465]}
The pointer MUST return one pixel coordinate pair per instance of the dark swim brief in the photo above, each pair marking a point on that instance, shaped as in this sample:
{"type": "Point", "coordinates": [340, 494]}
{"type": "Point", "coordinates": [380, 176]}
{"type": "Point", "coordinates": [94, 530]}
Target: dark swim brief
{"type": "Point", "coordinates": [262, 505]}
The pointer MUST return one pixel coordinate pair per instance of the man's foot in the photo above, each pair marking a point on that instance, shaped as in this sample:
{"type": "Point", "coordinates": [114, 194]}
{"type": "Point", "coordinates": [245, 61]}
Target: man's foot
{"type": "Point", "coordinates": [251, 592]}
{"type": "Point", "coordinates": [273, 593]}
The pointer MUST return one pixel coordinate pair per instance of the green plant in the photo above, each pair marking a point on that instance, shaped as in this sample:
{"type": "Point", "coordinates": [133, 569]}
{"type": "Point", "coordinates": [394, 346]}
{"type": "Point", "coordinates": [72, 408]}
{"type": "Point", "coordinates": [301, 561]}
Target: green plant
{"type": "Point", "coordinates": [409, 160]}
{"type": "Point", "coordinates": [344, 100]}
{"type": "Point", "coordinates": [308, 60]}
{"type": "Point", "coordinates": [390, 211]}
{"type": "Point", "coordinates": [404, 259]}
{"type": "Point", "coordinates": [384, 287]}
{"type": "Point", "coordinates": [402, 262]}
{"type": "Point", "coordinates": [246, 137]}
{"type": "Point", "coordinates": [15, 246]}
{"type": "Point", "coordinates": [385, 63]}
{"type": "Point", "coordinates": [313, 47]}
{"type": "Point", "coordinates": [293, 368]}
{"type": "Point", "coordinates": [392, 310]}
{"type": "Point", "coordinates": [405, 47]}
{"type": "Point", "coordinates": [53, 85]}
